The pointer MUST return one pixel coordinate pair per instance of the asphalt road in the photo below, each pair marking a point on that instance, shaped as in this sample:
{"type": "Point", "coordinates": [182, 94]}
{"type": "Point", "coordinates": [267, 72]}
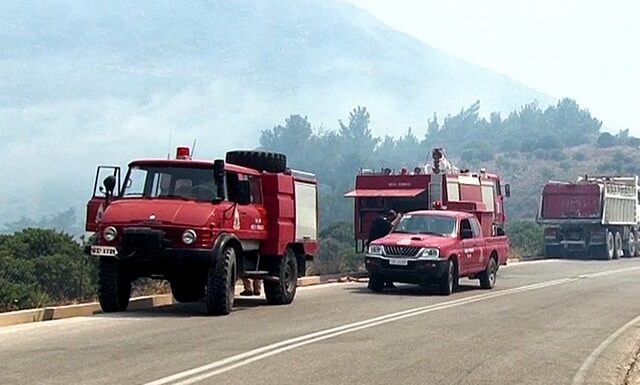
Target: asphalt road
{"type": "Point", "coordinates": [549, 322]}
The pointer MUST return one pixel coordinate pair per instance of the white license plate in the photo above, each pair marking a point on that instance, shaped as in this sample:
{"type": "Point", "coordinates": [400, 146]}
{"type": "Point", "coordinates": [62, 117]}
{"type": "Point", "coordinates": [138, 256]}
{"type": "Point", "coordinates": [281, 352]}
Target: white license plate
{"type": "Point", "coordinates": [398, 261]}
{"type": "Point", "coordinates": [104, 251]}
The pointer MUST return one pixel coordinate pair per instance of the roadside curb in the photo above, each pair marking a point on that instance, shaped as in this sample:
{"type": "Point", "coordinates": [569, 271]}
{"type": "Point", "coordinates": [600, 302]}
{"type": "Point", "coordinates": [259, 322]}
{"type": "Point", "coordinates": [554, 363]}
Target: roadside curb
{"type": "Point", "coordinates": [88, 309]}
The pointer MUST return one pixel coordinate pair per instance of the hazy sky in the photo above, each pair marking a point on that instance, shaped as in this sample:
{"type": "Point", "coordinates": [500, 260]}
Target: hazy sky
{"type": "Point", "coordinates": [586, 50]}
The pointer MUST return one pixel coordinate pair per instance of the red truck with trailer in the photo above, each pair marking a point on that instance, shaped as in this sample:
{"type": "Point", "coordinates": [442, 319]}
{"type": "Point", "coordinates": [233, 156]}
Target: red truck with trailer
{"type": "Point", "coordinates": [203, 224]}
{"type": "Point", "coordinates": [453, 225]}
{"type": "Point", "coordinates": [597, 216]}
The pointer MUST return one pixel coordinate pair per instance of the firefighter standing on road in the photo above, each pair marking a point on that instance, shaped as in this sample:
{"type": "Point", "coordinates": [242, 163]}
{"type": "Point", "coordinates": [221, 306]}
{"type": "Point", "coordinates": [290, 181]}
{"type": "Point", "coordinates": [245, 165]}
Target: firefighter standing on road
{"type": "Point", "coordinates": [382, 226]}
{"type": "Point", "coordinates": [250, 289]}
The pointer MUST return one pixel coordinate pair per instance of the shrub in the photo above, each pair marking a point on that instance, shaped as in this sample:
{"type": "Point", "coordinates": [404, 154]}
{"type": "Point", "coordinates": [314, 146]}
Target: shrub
{"type": "Point", "coordinates": [526, 238]}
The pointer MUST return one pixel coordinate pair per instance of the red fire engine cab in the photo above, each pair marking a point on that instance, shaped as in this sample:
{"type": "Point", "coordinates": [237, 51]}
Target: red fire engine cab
{"type": "Point", "coordinates": [202, 225]}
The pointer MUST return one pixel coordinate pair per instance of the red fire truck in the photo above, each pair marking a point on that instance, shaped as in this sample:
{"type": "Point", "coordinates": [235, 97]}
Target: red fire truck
{"type": "Point", "coordinates": [437, 184]}
{"type": "Point", "coordinates": [453, 227]}
{"type": "Point", "coordinates": [202, 225]}
{"type": "Point", "coordinates": [598, 216]}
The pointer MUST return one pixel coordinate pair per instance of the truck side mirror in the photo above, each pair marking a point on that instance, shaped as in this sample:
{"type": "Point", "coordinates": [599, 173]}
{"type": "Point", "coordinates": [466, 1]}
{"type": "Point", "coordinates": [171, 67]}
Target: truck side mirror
{"type": "Point", "coordinates": [500, 232]}
{"type": "Point", "coordinates": [218, 177]}
{"type": "Point", "coordinates": [507, 190]}
{"type": "Point", "coordinates": [466, 234]}
{"type": "Point", "coordinates": [244, 192]}
{"type": "Point", "coordinates": [109, 184]}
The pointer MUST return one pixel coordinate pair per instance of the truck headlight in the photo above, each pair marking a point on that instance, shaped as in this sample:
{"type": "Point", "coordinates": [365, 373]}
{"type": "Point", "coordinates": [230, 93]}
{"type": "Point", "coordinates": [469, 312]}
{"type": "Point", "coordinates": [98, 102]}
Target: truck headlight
{"type": "Point", "coordinates": [189, 236]}
{"type": "Point", "coordinates": [109, 233]}
{"type": "Point", "coordinates": [375, 250]}
{"type": "Point", "coordinates": [430, 253]}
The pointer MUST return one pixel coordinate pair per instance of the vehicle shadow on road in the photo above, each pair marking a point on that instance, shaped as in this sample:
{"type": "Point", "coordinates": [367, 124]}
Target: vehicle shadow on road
{"type": "Point", "coordinates": [410, 290]}
{"type": "Point", "coordinates": [184, 310]}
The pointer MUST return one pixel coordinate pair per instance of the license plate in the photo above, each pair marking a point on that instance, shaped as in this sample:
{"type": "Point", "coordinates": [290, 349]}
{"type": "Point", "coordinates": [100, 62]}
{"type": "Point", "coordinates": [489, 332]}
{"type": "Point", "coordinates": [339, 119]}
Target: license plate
{"type": "Point", "coordinates": [398, 261]}
{"type": "Point", "coordinates": [104, 251]}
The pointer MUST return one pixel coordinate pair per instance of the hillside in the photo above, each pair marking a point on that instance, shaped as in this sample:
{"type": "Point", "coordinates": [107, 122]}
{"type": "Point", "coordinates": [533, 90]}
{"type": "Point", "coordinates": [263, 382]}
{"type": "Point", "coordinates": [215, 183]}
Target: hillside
{"type": "Point", "coordinates": [84, 83]}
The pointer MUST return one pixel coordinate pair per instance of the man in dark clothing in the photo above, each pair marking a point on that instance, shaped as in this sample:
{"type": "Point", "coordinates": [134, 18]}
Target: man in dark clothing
{"type": "Point", "coordinates": [382, 226]}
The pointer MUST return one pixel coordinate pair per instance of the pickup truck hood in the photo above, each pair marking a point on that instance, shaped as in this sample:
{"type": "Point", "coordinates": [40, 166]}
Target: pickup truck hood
{"type": "Point", "coordinates": [416, 240]}
{"type": "Point", "coordinates": [159, 211]}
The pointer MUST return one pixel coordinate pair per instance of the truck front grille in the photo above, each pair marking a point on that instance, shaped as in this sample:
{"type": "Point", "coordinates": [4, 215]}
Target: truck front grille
{"type": "Point", "coordinates": [401, 251]}
{"type": "Point", "coordinates": [142, 238]}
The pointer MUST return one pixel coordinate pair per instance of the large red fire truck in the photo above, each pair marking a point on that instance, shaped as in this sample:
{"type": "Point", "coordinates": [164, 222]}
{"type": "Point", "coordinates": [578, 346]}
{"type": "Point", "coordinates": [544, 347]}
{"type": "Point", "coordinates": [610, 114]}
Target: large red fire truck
{"type": "Point", "coordinates": [453, 224]}
{"type": "Point", "coordinates": [203, 224]}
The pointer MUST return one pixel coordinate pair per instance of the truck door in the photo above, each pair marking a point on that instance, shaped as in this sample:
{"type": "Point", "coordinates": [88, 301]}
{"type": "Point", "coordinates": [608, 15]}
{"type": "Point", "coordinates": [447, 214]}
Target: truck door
{"type": "Point", "coordinates": [479, 248]}
{"type": "Point", "coordinates": [97, 203]}
{"type": "Point", "coordinates": [471, 242]}
{"type": "Point", "coordinates": [249, 220]}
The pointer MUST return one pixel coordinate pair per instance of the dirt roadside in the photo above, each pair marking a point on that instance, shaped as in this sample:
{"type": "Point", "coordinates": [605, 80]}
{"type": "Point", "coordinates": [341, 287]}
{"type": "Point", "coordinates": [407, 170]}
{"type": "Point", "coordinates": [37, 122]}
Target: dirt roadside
{"type": "Point", "coordinates": [632, 375]}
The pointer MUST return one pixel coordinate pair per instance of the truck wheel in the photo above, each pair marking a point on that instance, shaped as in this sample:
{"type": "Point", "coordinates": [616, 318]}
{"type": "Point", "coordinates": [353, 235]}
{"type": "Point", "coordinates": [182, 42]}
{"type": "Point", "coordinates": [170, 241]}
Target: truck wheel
{"type": "Point", "coordinates": [283, 291]}
{"type": "Point", "coordinates": [376, 283]}
{"type": "Point", "coordinates": [611, 246]}
{"type": "Point", "coordinates": [258, 160]}
{"type": "Point", "coordinates": [631, 246]}
{"type": "Point", "coordinates": [637, 254]}
{"type": "Point", "coordinates": [449, 280]}
{"type": "Point", "coordinates": [184, 290]}
{"type": "Point", "coordinates": [488, 276]}
{"type": "Point", "coordinates": [221, 283]}
{"type": "Point", "coordinates": [618, 245]}
{"type": "Point", "coordinates": [114, 287]}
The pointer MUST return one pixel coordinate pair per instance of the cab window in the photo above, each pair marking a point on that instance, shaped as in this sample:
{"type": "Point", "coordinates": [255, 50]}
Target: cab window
{"type": "Point", "coordinates": [475, 226]}
{"type": "Point", "coordinates": [465, 224]}
{"type": "Point", "coordinates": [232, 186]}
{"type": "Point", "coordinates": [256, 189]}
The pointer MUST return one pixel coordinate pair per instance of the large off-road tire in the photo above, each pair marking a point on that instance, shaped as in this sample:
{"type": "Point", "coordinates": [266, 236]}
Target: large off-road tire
{"type": "Point", "coordinates": [185, 290]}
{"type": "Point", "coordinates": [618, 245]}
{"type": "Point", "coordinates": [283, 291]}
{"type": "Point", "coordinates": [221, 283]}
{"type": "Point", "coordinates": [258, 160]}
{"type": "Point", "coordinates": [488, 276]}
{"type": "Point", "coordinates": [376, 283]}
{"type": "Point", "coordinates": [449, 280]}
{"type": "Point", "coordinates": [114, 286]}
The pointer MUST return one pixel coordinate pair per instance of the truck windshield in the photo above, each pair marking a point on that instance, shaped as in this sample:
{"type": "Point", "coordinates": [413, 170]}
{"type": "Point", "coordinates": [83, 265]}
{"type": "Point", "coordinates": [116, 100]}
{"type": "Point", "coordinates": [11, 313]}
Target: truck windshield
{"type": "Point", "coordinates": [426, 224]}
{"type": "Point", "coordinates": [170, 183]}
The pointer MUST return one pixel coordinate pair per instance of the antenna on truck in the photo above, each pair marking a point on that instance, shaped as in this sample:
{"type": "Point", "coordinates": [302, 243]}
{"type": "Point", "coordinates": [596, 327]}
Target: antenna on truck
{"type": "Point", "coordinates": [193, 148]}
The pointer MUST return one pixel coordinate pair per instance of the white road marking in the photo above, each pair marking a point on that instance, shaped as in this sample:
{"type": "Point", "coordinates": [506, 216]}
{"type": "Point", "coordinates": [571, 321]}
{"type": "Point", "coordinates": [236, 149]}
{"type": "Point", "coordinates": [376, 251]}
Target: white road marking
{"type": "Point", "coordinates": [582, 372]}
{"type": "Point", "coordinates": [218, 367]}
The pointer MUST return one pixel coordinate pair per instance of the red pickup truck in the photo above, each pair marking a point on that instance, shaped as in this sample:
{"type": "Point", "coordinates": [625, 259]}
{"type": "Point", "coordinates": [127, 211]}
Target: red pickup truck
{"type": "Point", "coordinates": [436, 247]}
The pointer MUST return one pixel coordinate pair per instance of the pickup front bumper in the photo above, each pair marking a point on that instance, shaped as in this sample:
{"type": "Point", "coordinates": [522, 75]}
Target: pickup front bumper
{"type": "Point", "coordinates": [418, 271]}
